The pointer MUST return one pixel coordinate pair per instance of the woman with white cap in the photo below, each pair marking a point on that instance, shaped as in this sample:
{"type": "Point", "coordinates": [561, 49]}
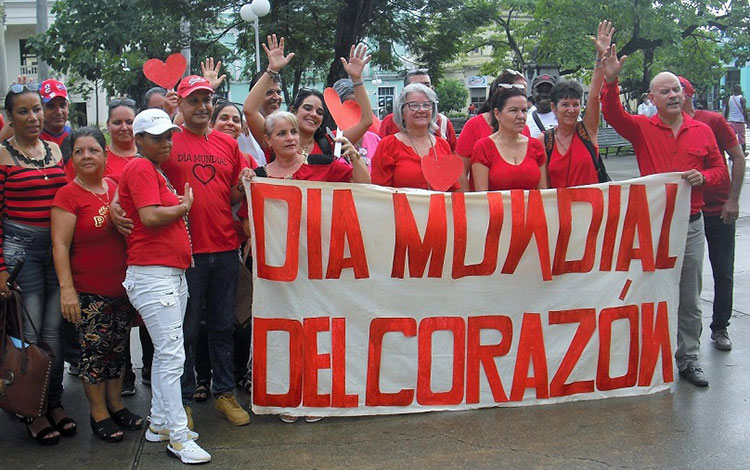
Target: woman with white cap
{"type": "Point", "coordinates": [159, 252]}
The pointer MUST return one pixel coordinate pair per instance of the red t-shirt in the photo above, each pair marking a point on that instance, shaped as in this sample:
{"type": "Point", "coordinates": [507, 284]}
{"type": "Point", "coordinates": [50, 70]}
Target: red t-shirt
{"type": "Point", "coordinates": [388, 127]}
{"type": "Point", "coordinates": [142, 185]}
{"type": "Point", "coordinates": [58, 139]}
{"type": "Point", "coordinates": [657, 150]}
{"type": "Point", "coordinates": [95, 239]}
{"type": "Point", "coordinates": [211, 164]}
{"type": "Point", "coordinates": [575, 168]}
{"type": "Point", "coordinates": [397, 165]}
{"type": "Point", "coordinates": [504, 175]}
{"type": "Point", "coordinates": [716, 196]}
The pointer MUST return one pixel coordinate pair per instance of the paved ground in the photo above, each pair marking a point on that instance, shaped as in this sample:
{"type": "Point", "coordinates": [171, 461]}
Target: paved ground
{"type": "Point", "coordinates": [687, 428]}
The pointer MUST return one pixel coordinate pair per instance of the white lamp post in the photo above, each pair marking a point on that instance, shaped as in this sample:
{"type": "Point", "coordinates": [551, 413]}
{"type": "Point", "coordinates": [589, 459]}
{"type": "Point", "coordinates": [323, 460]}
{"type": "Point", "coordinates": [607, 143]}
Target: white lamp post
{"type": "Point", "coordinates": [250, 13]}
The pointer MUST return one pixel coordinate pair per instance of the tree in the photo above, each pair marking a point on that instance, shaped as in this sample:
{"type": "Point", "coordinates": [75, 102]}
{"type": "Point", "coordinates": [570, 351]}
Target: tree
{"type": "Point", "coordinates": [107, 42]}
{"type": "Point", "coordinates": [452, 95]}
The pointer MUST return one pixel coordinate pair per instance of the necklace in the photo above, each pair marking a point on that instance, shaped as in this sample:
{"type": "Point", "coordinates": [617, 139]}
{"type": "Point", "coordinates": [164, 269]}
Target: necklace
{"type": "Point", "coordinates": [432, 146]}
{"type": "Point", "coordinates": [289, 176]}
{"type": "Point", "coordinates": [19, 154]}
{"type": "Point", "coordinates": [306, 152]}
{"type": "Point", "coordinates": [104, 210]}
{"type": "Point", "coordinates": [559, 142]}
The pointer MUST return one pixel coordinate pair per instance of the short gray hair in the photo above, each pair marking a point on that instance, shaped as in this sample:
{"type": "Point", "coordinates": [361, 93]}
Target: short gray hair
{"type": "Point", "coordinates": [398, 114]}
{"type": "Point", "coordinates": [277, 116]}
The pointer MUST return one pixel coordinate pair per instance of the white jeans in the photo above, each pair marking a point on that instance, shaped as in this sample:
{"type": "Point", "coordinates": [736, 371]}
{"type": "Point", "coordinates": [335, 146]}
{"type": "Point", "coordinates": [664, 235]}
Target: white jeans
{"type": "Point", "coordinates": [160, 295]}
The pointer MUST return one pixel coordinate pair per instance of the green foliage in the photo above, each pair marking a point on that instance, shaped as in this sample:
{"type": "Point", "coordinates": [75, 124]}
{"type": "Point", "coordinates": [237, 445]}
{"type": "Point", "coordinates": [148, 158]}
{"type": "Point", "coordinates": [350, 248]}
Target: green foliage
{"type": "Point", "coordinates": [108, 41]}
{"type": "Point", "coordinates": [452, 95]}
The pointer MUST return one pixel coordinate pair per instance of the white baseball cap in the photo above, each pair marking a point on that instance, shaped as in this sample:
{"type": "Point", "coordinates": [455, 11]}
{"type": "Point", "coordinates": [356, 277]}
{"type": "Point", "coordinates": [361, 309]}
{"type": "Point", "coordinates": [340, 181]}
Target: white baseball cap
{"type": "Point", "coordinates": [154, 122]}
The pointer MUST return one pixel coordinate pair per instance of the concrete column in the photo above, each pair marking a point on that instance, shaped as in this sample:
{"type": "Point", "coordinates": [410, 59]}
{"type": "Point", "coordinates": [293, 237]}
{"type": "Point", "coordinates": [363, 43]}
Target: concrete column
{"type": "Point", "coordinates": [42, 24]}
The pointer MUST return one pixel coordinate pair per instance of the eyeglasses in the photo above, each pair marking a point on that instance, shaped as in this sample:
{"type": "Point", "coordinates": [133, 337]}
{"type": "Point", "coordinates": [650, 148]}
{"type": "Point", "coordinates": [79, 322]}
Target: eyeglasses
{"type": "Point", "coordinates": [122, 102]}
{"type": "Point", "coordinates": [508, 86]}
{"type": "Point", "coordinates": [20, 87]}
{"type": "Point", "coordinates": [416, 106]}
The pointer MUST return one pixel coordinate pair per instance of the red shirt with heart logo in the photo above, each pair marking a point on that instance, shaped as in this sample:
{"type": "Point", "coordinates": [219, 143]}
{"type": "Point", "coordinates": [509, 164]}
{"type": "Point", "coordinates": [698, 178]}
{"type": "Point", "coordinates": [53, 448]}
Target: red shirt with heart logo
{"type": "Point", "coordinates": [211, 164]}
{"type": "Point", "coordinates": [397, 165]}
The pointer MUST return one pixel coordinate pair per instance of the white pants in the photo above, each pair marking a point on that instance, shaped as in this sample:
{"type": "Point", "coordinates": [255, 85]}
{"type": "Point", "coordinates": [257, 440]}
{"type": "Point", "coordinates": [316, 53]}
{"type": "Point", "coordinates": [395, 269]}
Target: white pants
{"type": "Point", "coordinates": [160, 295]}
{"type": "Point", "coordinates": [689, 318]}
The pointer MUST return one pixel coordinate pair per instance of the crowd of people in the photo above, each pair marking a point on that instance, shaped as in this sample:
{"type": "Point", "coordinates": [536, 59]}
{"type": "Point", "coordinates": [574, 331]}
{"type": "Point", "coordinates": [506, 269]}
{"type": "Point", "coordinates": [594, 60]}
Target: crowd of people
{"type": "Point", "coordinates": [164, 204]}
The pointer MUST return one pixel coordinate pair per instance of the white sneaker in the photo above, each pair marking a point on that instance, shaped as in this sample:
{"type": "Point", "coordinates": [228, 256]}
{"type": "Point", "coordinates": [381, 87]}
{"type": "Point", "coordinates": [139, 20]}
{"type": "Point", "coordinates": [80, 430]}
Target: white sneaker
{"type": "Point", "coordinates": [288, 418]}
{"type": "Point", "coordinates": [188, 452]}
{"type": "Point", "coordinates": [160, 435]}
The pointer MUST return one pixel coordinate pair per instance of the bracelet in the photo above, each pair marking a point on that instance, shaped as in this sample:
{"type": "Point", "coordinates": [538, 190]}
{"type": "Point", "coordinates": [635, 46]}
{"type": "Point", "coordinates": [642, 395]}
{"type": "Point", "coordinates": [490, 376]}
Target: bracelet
{"type": "Point", "coordinates": [272, 73]}
{"type": "Point", "coordinates": [241, 187]}
{"type": "Point", "coordinates": [359, 83]}
{"type": "Point", "coordinates": [187, 209]}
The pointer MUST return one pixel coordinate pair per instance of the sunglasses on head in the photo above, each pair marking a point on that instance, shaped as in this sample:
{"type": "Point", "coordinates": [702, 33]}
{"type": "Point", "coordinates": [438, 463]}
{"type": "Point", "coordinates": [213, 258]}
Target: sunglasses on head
{"type": "Point", "coordinates": [508, 86]}
{"type": "Point", "coordinates": [513, 72]}
{"type": "Point", "coordinates": [122, 102]}
{"type": "Point", "coordinates": [20, 87]}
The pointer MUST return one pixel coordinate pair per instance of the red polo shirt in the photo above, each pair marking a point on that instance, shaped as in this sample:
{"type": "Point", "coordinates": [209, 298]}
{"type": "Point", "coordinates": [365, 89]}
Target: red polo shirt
{"type": "Point", "coordinates": [657, 150]}
{"type": "Point", "coordinates": [716, 196]}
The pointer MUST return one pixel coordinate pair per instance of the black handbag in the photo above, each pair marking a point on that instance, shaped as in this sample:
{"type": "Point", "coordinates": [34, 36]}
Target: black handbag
{"type": "Point", "coordinates": [24, 368]}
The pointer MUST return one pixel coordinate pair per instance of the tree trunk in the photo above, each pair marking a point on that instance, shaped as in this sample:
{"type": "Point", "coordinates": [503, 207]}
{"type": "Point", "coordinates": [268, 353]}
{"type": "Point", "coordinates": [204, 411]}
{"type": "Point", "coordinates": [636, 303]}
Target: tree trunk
{"type": "Point", "coordinates": [648, 61]}
{"type": "Point", "coordinates": [350, 24]}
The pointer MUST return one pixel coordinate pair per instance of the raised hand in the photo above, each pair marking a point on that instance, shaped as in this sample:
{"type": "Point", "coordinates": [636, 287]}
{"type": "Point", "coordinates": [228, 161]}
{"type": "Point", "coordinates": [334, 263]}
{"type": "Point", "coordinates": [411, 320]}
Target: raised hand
{"type": "Point", "coordinates": [211, 72]}
{"type": "Point", "coordinates": [603, 38]}
{"type": "Point", "coordinates": [358, 58]}
{"type": "Point", "coordinates": [611, 65]}
{"type": "Point", "coordinates": [275, 52]}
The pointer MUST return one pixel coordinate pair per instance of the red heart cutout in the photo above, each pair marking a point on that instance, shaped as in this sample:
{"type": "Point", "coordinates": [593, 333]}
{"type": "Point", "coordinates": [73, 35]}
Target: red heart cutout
{"type": "Point", "coordinates": [443, 172]}
{"type": "Point", "coordinates": [165, 74]}
{"type": "Point", "coordinates": [346, 114]}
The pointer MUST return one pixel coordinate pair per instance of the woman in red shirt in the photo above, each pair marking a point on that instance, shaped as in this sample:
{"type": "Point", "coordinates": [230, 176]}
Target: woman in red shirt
{"type": "Point", "coordinates": [309, 106]}
{"type": "Point", "coordinates": [507, 159]}
{"type": "Point", "coordinates": [570, 160]}
{"type": "Point", "coordinates": [481, 125]}
{"type": "Point", "coordinates": [31, 172]}
{"type": "Point", "coordinates": [158, 254]}
{"type": "Point", "coordinates": [398, 160]}
{"type": "Point", "coordinates": [91, 293]}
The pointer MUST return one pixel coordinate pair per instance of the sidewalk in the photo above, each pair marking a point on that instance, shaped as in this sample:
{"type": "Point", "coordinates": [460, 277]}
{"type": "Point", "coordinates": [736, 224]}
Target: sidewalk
{"type": "Point", "coordinates": [688, 428]}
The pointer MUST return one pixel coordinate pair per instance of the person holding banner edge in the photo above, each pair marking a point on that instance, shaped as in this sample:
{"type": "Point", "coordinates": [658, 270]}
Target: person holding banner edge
{"type": "Point", "coordinates": [672, 141]}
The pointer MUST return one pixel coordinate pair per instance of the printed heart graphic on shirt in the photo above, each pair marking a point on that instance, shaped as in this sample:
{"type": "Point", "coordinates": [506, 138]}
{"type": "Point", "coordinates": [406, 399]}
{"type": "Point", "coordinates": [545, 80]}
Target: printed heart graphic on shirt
{"type": "Point", "coordinates": [346, 114]}
{"type": "Point", "coordinates": [204, 173]}
{"type": "Point", "coordinates": [441, 173]}
{"type": "Point", "coordinates": [165, 74]}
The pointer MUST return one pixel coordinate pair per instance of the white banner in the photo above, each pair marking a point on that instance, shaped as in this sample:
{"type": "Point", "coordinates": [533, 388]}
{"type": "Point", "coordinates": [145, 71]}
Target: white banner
{"type": "Point", "coordinates": [372, 300]}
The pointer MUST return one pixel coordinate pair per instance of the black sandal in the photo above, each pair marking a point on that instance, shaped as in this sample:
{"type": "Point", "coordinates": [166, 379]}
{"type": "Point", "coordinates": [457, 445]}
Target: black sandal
{"type": "Point", "coordinates": [201, 392]}
{"type": "Point", "coordinates": [61, 425]}
{"type": "Point", "coordinates": [126, 419]}
{"type": "Point", "coordinates": [44, 436]}
{"type": "Point", "coordinates": [106, 430]}
{"type": "Point", "coordinates": [246, 384]}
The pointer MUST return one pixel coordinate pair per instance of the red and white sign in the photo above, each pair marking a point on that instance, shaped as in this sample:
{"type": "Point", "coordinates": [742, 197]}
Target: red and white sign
{"type": "Point", "coordinates": [370, 300]}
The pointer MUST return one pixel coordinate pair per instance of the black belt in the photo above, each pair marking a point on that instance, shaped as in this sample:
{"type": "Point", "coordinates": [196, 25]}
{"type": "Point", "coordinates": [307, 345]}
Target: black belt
{"type": "Point", "coordinates": [695, 216]}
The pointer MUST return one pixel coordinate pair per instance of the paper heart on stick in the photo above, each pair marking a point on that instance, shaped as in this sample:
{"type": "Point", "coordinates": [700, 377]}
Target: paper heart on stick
{"type": "Point", "coordinates": [165, 74]}
{"type": "Point", "coordinates": [346, 114]}
{"type": "Point", "coordinates": [441, 172]}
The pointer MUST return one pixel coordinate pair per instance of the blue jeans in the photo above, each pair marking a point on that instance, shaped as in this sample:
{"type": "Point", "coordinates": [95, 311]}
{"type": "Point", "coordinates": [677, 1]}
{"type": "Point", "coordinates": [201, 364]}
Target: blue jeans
{"type": "Point", "coordinates": [213, 282]}
{"type": "Point", "coordinates": [160, 294]}
{"type": "Point", "coordinates": [720, 238]}
{"type": "Point", "coordinates": [40, 292]}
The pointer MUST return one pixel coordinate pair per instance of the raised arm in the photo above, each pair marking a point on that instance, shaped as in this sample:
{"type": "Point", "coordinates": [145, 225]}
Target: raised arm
{"type": "Point", "coordinates": [602, 41]}
{"type": "Point", "coordinates": [358, 58]}
{"type": "Point", "coordinates": [276, 62]}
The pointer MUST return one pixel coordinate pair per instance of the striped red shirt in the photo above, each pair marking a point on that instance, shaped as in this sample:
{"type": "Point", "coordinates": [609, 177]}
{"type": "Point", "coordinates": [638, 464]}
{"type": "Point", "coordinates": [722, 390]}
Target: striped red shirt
{"type": "Point", "coordinates": [26, 197]}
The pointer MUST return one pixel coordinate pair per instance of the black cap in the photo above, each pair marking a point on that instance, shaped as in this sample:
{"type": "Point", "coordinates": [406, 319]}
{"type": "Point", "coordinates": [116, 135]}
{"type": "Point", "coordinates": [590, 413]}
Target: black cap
{"type": "Point", "coordinates": [543, 79]}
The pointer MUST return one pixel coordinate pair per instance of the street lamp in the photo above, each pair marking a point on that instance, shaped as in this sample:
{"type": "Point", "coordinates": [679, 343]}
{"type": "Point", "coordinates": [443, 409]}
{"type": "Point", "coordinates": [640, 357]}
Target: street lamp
{"type": "Point", "coordinates": [250, 13]}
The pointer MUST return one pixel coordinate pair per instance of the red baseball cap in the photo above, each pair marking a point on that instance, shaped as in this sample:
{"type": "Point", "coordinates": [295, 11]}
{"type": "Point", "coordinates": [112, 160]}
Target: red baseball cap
{"type": "Point", "coordinates": [686, 86]}
{"type": "Point", "coordinates": [191, 84]}
{"type": "Point", "coordinates": [52, 89]}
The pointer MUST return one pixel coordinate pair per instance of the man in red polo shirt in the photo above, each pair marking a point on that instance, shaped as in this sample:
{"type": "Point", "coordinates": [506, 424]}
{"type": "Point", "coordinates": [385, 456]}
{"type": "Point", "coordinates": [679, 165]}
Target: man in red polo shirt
{"type": "Point", "coordinates": [445, 126]}
{"type": "Point", "coordinates": [719, 215]}
{"type": "Point", "coordinates": [210, 161]}
{"type": "Point", "coordinates": [666, 142]}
